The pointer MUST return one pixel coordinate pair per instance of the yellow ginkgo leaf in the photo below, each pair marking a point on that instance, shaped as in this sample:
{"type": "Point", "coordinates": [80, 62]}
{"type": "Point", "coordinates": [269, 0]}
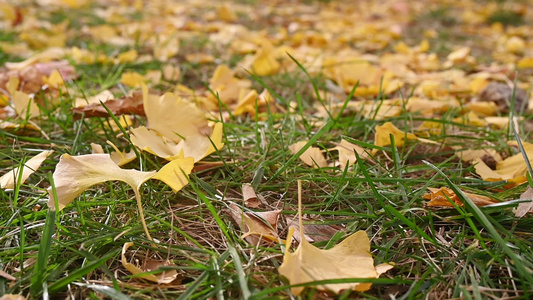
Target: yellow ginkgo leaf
{"type": "Point", "coordinates": [347, 155]}
{"type": "Point", "coordinates": [349, 259]}
{"type": "Point", "coordinates": [8, 180]}
{"type": "Point", "coordinates": [153, 142]}
{"type": "Point", "coordinates": [22, 102]}
{"type": "Point", "coordinates": [265, 63]}
{"type": "Point", "coordinates": [132, 79]}
{"type": "Point", "coordinates": [383, 133]}
{"type": "Point", "coordinates": [128, 56]}
{"type": "Point", "coordinates": [164, 277]}
{"type": "Point", "coordinates": [443, 196]}
{"type": "Point", "coordinates": [120, 157]}
{"type": "Point", "coordinates": [173, 117]}
{"type": "Point", "coordinates": [75, 174]}
{"type": "Point", "coordinates": [312, 156]}
{"type": "Point", "coordinates": [55, 80]}
{"type": "Point", "coordinates": [174, 174]}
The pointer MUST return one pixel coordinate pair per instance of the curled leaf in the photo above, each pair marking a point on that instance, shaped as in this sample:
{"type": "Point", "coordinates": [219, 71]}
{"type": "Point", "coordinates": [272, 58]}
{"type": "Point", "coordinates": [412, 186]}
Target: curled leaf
{"type": "Point", "coordinates": [439, 197]}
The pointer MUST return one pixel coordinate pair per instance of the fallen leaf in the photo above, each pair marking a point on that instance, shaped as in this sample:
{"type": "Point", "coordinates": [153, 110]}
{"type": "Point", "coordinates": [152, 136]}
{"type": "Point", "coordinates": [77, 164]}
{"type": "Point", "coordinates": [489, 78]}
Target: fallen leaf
{"type": "Point", "coordinates": [312, 232]}
{"type": "Point", "coordinates": [347, 153]}
{"type": "Point", "coordinates": [472, 155]}
{"type": "Point", "coordinates": [75, 174]}
{"type": "Point", "coordinates": [439, 197]}
{"type": "Point", "coordinates": [383, 133]}
{"type": "Point", "coordinates": [249, 196]}
{"type": "Point", "coordinates": [526, 207]}
{"type": "Point", "coordinates": [132, 79]}
{"type": "Point", "coordinates": [12, 297]}
{"type": "Point", "coordinates": [7, 276]}
{"type": "Point", "coordinates": [258, 227]}
{"type": "Point", "coordinates": [130, 105]}
{"type": "Point", "coordinates": [312, 156]}
{"type": "Point", "coordinates": [165, 277]}
{"type": "Point", "coordinates": [8, 180]}
{"type": "Point", "coordinates": [349, 259]}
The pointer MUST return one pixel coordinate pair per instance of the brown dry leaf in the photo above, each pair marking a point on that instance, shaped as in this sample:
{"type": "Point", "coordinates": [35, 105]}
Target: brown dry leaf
{"type": "Point", "coordinates": [164, 277]}
{"type": "Point", "coordinates": [249, 196]}
{"type": "Point", "coordinates": [7, 275]}
{"type": "Point", "coordinates": [313, 233]}
{"type": "Point", "coordinates": [312, 156]}
{"type": "Point", "coordinates": [526, 207]}
{"type": "Point", "coordinates": [349, 259]}
{"type": "Point", "coordinates": [258, 227]}
{"type": "Point", "coordinates": [439, 197]}
{"type": "Point", "coordinates": [131, 105]}
{"type": "Point", "coordinates": [8, 180]}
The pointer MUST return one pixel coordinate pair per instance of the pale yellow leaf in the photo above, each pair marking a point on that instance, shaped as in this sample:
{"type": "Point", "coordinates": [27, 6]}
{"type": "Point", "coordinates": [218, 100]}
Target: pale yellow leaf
{"type": "Point", "coordinates": [153, 142]}
{"type": "Point", "coordinates": [525, 207]}
{"type": "Point", "coordinates": [312, 156]}
{"type": "Point", "coordinates": [347, 155]}
{"type": "Point", "coordinates": [75, 174]}
{"type": "Point", "coordinates": [8, 180]}
{"type": "Point", "coordinates": [173, 117]}
{"type": "Point", "coordinates": [120, 157]}
{"type": "Point", "coordinates": [23, 101]}
{"type": "Point", "coordinates": [349, 259]}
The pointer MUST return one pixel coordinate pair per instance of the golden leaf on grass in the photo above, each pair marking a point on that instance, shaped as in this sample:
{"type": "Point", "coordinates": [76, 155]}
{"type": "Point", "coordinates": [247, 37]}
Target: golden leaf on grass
{"type": "Point", "coordinates": [75, 174]}
{"type": "Point", "coordinates": [164, 277]}
{"type": "Point", "coordinates": [171, 137]}
{"type": "Point", "coordinates": [23, 101]}
{"type": "Point", "coordinates": [103, 96]}
{"type": "Point", "coordinates": [347, 155]}
{"type": "Point", "coordinates": [439, 197]}
{"type": "Point", "coordinates": [132, 79]}
{"type": "Point", "coordinates": [265, 63]}
{"type": "Point", "coordinates": [509, 168]}
{"type": "Point", "coordinates": [12, 297]}
{"type": "Point", "coordinates": [258, 227]}
{"type": "Point", "coordinates": [349, 259]}
{"type": "Point", "coordinates": [472, 155]}
{"type": "Point", "coordinates": [13, 127]}
{"type": "Point", "coordinates": [383, 133]}
{"type": "Point", "coordinates": [526, 207]}
{"type": "Point", "coordinates": [312, 156]}
{"type": "Point", "coordinates": [8, 180]}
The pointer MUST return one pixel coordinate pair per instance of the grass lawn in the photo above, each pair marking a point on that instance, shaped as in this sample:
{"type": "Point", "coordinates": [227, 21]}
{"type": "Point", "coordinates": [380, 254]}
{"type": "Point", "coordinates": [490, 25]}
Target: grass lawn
{"type": "Point", "coordinates": [273, 73]}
